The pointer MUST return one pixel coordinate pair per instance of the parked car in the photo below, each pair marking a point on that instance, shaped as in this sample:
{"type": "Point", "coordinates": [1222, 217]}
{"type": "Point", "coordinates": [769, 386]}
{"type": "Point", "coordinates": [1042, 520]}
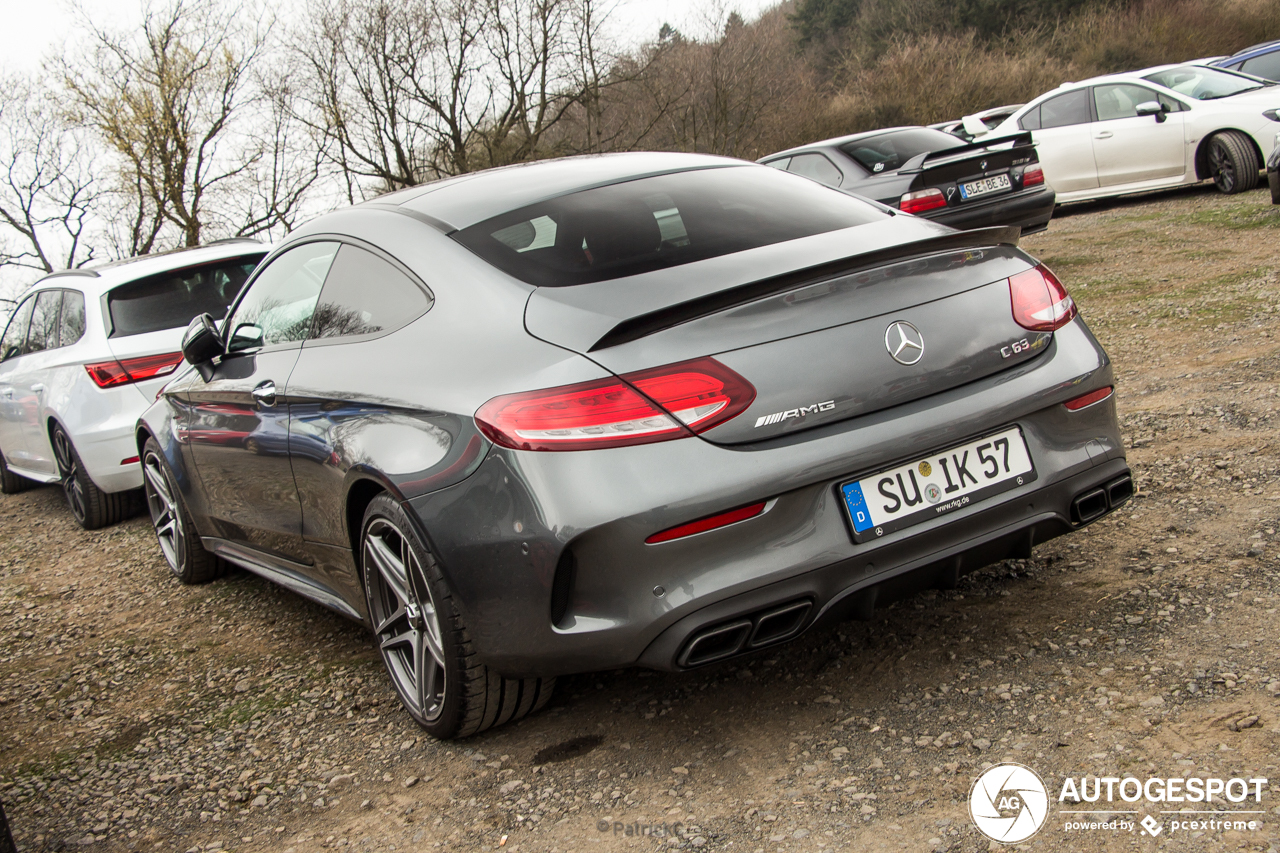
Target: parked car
{"type": "Point", "coordinates": [932, 174]}
{"type": "Point", "coordinates": [85, 353]}
{"type": "Point", "coordinates": [1160, 127]}
{"type": "Point", "coordinates": [1260, 60]}
{"type": "Point", "coordinates": [629, 410]}
{"type": "Point", "coordinates": [978, 124]}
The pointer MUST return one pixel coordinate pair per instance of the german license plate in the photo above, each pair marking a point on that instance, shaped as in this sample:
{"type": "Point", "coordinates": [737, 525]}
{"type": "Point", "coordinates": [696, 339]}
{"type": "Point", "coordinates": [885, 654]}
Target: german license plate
{"type": "Point", "coordinates": [985, 186]}
{"type": "Point", "coordinates": [937, 484]}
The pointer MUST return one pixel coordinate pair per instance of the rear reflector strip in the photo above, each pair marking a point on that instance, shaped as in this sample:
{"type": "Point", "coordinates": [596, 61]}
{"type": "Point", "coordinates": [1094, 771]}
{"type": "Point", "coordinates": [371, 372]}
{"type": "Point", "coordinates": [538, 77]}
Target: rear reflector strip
{"type": "Point", "coordinates": [129, 461]}
{"type": "Point", "coordinates": [724, 519]}
{"type": "Point", "coordinates": [109, 374]}
{"type": "Point", "coordinates": [1086, 400]}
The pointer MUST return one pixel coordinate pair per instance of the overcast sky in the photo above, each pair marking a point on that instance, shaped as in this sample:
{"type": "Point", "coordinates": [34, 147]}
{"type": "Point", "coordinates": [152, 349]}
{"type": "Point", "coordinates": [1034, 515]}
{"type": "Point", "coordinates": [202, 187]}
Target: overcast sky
{"type": "Point", "coordinates": [30, 29]}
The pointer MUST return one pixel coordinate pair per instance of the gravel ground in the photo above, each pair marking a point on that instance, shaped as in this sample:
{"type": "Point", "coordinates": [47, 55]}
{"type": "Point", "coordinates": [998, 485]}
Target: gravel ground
{"type": "Point", "coordinates": [138, 714]}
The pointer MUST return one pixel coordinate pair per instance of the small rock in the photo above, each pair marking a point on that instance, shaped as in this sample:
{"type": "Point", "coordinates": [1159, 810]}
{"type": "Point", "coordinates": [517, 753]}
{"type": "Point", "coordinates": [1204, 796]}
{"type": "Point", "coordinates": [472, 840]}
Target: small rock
{"type": "Point", "coordinates": [681, 771]}
{"type": "Point", "coordinates": [341, 782]}
{"type": "Point", "coordinates": [1153, 702]}
{"type": "Point", "coordinates": [509, 787]}
{"type": "Point", "coordinates": [411, 781]}
{"type": "Point", "coordinates": [1243, 723]}
{"type": "Point", "coordinates": [259, 802]}
{"type": "Point", "coordinates": [981, 744]}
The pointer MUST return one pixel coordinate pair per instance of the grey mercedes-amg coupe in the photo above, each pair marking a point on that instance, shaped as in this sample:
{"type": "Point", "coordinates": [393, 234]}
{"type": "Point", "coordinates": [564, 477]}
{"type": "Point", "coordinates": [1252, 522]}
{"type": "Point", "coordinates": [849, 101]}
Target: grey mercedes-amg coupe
{"type": "Point", "coordinates": [640, 409]}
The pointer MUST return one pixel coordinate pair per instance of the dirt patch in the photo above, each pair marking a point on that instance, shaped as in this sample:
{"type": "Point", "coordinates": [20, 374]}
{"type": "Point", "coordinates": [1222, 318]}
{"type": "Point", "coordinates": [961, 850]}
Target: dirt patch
{"type": "Point", "coordinates": [137, 714]}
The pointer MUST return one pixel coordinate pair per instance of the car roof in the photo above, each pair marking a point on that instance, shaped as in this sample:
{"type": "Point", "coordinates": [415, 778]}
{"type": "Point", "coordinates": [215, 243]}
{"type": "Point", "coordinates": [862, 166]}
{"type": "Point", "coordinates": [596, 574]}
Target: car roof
{"type": "Point", "coordinates": [838, 141]}
{"type": "Point", "coordinates": [1261, 47]}
{"type": "Point", "coordinates": [97, 279]}
{"type": "Point", "coordinates": [457, 203]}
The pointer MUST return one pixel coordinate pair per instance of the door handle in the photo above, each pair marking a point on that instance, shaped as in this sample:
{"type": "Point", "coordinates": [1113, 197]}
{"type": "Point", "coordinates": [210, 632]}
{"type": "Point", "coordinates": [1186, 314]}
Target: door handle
{"type": "Point", "coordinates": [38, 387]}
{"type": "Point", "coordinates": [265, 393]}
{"type": "Point", "coordinates": [1105, 134]}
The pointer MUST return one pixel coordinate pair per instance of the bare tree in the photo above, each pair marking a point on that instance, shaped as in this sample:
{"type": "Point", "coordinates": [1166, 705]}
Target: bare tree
{"type": "Point", "coordinates": [48, 193]}
{"type": "Point", "coordinates": [202, 142]}
{"type": "Point", "coordinates": [404, 91]}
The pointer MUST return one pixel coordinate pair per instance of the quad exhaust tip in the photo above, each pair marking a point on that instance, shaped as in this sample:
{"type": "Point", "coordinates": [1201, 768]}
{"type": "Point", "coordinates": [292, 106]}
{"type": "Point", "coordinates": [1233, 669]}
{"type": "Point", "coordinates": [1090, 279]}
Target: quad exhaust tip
{"type": "Point", "coordinates": [1096, 503]}
{"type": "Point", "coordinates": [753, 631]}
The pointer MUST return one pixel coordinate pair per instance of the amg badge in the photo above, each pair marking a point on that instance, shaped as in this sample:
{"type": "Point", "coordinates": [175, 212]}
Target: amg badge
{"type": "Point", "coordinates": [779, 417]}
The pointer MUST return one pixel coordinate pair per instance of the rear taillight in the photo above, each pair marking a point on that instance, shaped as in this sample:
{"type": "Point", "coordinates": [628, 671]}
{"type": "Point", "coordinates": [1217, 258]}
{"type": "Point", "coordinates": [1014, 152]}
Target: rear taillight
{"type": "Point", "coordinates": [668, 402]}
{"type": "Point", "coordinates": [1085, 400]}
{"type": "Point", "coordinates": [109, 374]}
{"type": "Point", "coordinates": [1032, 176]}
{"type": "Point", "coordinates": [918, 202]}
{"type": "Point", "coordinates": [1040, 302]}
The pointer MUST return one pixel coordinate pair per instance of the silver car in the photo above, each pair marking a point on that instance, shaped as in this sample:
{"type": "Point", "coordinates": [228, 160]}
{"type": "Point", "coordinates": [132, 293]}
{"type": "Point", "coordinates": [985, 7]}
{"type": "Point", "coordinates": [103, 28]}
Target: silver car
{"type": "Point", "coordinates": [652, 410]}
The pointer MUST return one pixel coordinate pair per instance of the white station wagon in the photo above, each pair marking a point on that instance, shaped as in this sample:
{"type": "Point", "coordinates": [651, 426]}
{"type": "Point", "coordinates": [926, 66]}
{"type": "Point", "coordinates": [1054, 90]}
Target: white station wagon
{"type": "Point", "coordinates": [1152, 129]}
{"type": "Point", "coordinates": [86, 351]}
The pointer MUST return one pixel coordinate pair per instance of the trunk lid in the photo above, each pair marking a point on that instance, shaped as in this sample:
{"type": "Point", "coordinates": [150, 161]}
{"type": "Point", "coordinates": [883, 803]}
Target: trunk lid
{"type": "Point", "coordinates": [815, 343]}
{"type": "Point", "coordinates": [993, 159]}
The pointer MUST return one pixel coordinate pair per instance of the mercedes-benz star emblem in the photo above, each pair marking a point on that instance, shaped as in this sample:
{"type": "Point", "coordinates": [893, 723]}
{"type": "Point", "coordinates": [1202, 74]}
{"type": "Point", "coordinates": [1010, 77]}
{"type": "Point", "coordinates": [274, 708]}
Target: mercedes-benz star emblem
{"type": "Point", "coordinates": [904, 342]}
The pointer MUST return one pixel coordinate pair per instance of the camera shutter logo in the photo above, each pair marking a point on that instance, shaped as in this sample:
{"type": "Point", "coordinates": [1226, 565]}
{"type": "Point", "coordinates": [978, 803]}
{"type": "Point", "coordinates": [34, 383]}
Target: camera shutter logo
{"type": "Point", "coordinates": [1009, 803]}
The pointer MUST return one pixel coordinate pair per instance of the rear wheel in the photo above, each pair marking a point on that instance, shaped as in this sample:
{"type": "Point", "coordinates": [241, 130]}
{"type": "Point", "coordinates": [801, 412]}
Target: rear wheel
{"type": "Point", "coordinates": [1232, 162]}
{"type": "Point", "coordinates": [91, 507]}
{"type": "Point", "coordinates": [422, 638]}
{"type": "Point", "coordinates": [11, 483]}
{"type": "Point", "coordinates": [179, 542]}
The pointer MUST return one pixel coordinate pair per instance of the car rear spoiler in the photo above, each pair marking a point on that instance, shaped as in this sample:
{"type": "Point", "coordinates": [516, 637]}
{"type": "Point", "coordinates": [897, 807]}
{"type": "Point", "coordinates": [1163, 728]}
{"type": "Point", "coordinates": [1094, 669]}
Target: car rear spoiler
{"type": "Point", "coordinates": [642, 325]}
{"type": "Point", "coordinates": [933, 159]}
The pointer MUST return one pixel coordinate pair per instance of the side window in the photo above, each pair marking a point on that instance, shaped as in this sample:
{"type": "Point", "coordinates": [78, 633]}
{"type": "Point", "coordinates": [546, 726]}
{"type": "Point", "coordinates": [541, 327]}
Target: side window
{"type": "Point", "coordinates": [1121, 100]}
{"type": "Point", "coordinates": [15, 336]}
{"type": "Point", "coordinates": [817, 167]}
{"type": "Point", "coordinates": [44, 322]}
{"type": "Point", "coordinates": [364, 295]}
{"type": "Point", "coordinates": [1031, 120]}
{"type": "Point", "coordinates": [1267, 65]}
{"type": "Point", "coordinates": [71, 326]}
{"type": "Point", "coordinates": [780, 163]}
{"type": "Point", "coordinates": [1068, 109]}
{"type": "Point", "coordinates": [280, 302]}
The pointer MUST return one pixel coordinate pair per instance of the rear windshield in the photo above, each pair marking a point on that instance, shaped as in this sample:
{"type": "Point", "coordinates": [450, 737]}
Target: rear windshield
{"type": "Point", "coordinates": [655, 223]}
{"type": "Point", "coordinates": [170, 300]}
{"type": "Point", "coordinates": [891, 151]}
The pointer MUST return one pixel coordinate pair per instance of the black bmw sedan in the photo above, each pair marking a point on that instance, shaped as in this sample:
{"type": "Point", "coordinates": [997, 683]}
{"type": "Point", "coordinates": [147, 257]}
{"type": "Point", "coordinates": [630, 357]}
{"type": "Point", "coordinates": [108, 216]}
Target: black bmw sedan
{"type": "Point", "coordinates": [929, 173]}
{"type": "Point", "coordinates": [652, 410]}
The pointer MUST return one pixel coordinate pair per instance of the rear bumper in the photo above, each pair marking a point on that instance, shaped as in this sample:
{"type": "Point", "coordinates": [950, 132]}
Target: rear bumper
{"type": "Point", "coordinates": [545, 552]}
{"type": "Point", "coordinates": [1030, 210]}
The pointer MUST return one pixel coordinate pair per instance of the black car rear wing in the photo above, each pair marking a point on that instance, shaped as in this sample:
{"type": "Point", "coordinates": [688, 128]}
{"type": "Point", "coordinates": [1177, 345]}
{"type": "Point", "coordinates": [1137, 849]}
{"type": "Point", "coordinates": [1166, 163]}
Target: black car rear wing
{"type": "Point", "coordinates": [933, 159]}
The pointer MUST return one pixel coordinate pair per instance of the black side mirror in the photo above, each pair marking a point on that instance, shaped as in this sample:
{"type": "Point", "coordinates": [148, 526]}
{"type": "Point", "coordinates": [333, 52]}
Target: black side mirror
{"type": "Point", "coordinates": [201, 344]}
{"type": "Point", "coordinates": [1152, 108]}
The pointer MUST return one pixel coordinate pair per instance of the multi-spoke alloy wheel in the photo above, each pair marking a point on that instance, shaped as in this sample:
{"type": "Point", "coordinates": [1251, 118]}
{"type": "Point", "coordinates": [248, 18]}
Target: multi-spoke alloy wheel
{"type": "Point", "coordinates": [176, 532]}
{"type": "Point", "coordinates": [69, 467]}
{"type": "Point", "coordinates": [165, 514]}
{"type": "Point", "coordinates": [1233, 162]}
{"type": "Point", "coordinates": [405, 620]}
{"type": "Point", "coordinates": [422, 637]}
{"type": "Point", "coordinates": [91, 507]}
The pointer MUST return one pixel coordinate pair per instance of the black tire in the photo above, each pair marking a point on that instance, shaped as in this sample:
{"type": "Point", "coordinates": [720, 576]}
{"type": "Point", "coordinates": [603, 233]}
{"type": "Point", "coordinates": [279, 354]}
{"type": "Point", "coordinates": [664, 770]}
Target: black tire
{"type": "Point", "coordinates": [423, 641]}
{"type": "Point", "coordinates": [1233, 164]}
{"type": "Point", "coordinates": [91, 507]}
{"type": "Point", "coordinates": [175, 531]}
{"type": "Point", "coordinates": [11, 483]}
{"type": "Point", "coordinates": [1274, 180]}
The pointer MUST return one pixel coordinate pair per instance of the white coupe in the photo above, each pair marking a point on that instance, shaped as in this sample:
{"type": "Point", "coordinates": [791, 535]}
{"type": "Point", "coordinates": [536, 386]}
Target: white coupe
{"type": "Point", "coordinates": [1146, 130]}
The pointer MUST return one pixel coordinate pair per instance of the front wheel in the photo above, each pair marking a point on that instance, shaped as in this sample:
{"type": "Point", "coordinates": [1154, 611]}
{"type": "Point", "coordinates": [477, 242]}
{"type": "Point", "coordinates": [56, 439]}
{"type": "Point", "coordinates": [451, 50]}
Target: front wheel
{"type": "Point", "coordinates": [179, 541]}
{"type": "Point", "coordinates": [1233, 164]}
{"type": "Point", "coordinates": [90, 506]}
{"type": "Point", "coordinates": [422, 638]}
